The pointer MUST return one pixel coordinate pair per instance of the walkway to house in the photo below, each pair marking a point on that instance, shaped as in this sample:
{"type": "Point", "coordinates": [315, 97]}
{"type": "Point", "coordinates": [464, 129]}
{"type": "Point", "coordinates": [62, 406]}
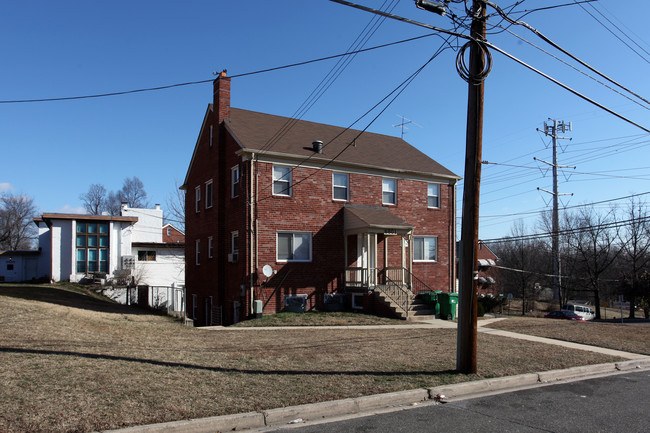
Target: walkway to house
{"type": "Point", "coordinates": [440, 324]}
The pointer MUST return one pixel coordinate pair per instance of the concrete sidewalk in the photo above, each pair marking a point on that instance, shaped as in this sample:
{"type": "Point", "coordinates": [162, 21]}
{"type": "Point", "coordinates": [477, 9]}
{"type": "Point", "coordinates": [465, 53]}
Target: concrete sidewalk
{"type": "Point", "coordinates": [368, 405]}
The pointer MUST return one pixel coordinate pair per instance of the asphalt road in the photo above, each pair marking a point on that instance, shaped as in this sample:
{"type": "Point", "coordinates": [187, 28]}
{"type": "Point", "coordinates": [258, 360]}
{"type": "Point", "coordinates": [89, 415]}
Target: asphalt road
{"type": "Point", "coordinates": [619, 403]}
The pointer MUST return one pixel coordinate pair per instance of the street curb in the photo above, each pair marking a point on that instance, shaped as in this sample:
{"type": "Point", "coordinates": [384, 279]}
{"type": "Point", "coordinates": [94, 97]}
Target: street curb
{"type": "Point", "coordinates": [484, 386]}
{"type": "Point", "coordinates": [236, 422]}
{"type": "Point", "coordinates": [400, 399]}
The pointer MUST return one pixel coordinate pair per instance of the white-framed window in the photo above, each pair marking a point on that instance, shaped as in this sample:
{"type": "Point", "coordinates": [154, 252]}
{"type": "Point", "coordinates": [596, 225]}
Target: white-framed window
{"type": "Point", "coordinates": [197, 198]}
{"type": "Point", "coordinates": [208, 194]}
{"type": "Point", "coordinates": [425, 248]}
{"type": "Point", "coordinates": [211, 136]}
{"type": "Point", "coordinates": [197, 245]}
{"type": "Point", "coordinates": [169, 231]}
{"type": "Point", "coordinates": [293, 247]}
{"type": "Point", "coordinates": [433, 195]}
{"type": "Point", "coordinates": [281, 180]}
{"type": "Point", "coordinates": [234, 181]}
{"type": "Point", "coordinates": [234, 243]}
{"type": "Point", "coordinates": [341, 186]}
{"type": "Point", "coordinates": [210, 247]}
{"type": "Point", "coordinates": [389, 191]}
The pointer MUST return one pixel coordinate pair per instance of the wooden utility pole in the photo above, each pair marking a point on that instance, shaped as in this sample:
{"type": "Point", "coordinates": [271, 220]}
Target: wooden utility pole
{"type": "Point", "coordinates": [466, 354]}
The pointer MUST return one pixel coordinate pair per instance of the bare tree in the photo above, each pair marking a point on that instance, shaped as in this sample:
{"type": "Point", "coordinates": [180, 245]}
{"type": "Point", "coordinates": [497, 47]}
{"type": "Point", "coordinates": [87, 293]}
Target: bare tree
{"type": "Point", "coordinates": [97, 200]}
{"type": "Point", "coordinates": [635, 245]}
{"type": "Point", "coordinates": [94, 201]}
{"type": "Point", "coordinates": [522, 259]}
{"type": "Point", "coordinates": [113, 203]}
{"type": "Point", "coordinates": [17, 229]}
{"type": "Point", "coordinates": [176, 207]}
{"type": "Point", "coordinates": [133, 193]}
{"type": "Point", "coordinates": [593, 237]}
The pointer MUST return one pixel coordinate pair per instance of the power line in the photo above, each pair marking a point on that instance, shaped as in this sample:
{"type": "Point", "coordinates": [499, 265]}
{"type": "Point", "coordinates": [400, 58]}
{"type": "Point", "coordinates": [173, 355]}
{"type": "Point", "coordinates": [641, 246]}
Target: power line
{"type": "Point", "coordinates": [329, 78]}
{"type": "Point", "coordinates": [569, 231]}
{"type": "Point", "coordinates": [556, 46]}
{"type": "Point", "coordinates": [190, 83]}
{"type": "Point", "coordinates": [399, 89]}
{"type": "Point", "coordinates": [614, 34]}
{"type": "Point", "coordinates": [564, 86]}
{"type": "Point", "coordinates": [567, 207]}
{"type": "Point", "coordinates": [574, 68]}
{"type": "Point", "coordinates": [505, 53]}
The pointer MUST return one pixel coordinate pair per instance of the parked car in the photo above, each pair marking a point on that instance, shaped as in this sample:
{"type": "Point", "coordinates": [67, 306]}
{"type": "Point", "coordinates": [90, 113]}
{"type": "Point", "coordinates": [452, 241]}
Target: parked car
{"type": "Point", "coordinates": [566, 315]}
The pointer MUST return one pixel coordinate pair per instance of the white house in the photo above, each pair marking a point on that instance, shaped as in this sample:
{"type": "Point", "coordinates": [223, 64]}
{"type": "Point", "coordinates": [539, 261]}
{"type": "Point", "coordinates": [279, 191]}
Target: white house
{"type": "Point", "coordinates": [17, 266]}
{"type": "Point", "coordinates": [74, 247]}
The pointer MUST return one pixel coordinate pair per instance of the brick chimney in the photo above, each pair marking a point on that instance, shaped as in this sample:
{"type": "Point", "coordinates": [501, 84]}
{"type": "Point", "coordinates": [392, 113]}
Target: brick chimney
{"type": "Point", "coordinates": [221, 102]}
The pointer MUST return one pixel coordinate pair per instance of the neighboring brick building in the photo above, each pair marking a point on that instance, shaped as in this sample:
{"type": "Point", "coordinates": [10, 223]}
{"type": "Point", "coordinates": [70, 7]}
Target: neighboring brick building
{"type": "Point", "coordinates": [172, 235]}
{"type": "Point", "coordinates": [278, 207]}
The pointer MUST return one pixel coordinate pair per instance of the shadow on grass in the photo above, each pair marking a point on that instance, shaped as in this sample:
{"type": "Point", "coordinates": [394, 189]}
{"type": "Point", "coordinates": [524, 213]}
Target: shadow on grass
{"type": "Point", "coordinates": [67, 297]}
{"type": "Point", "coordinates": [154, 362]}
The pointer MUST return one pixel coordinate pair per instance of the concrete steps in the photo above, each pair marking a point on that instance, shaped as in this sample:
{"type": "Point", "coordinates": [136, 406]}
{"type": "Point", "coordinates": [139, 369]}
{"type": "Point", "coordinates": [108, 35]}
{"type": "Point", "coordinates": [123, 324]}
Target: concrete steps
{"type": "Point", "coordinates": [417, 309]}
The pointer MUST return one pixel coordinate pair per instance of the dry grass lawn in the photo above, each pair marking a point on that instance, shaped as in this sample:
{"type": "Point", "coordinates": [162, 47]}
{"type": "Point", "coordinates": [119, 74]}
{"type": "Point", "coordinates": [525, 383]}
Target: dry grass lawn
{"type": "Point", "coordinates": [629, 337]}
{"type": "Point", "coordinates": [315, 318]}
{"type": "Point", "coordinates": [76, 363]}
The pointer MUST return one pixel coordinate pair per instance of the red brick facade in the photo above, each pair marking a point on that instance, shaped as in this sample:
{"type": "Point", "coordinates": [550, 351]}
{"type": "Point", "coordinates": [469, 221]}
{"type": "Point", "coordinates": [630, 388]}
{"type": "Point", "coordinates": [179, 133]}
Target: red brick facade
{"type": "Point", "coordinates": [171, 235]}
{"type": "Point", "coordinates": [221, 286]}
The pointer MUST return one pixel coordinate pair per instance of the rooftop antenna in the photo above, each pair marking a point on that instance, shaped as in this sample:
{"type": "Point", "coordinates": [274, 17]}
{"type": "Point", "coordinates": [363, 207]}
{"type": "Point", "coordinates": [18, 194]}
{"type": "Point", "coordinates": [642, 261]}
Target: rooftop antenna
{"type": "Point", "coordinates": [403, 124]}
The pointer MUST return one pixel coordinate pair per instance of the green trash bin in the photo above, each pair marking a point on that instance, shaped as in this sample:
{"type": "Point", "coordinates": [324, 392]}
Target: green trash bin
{"type": "Point", "coordinates": [448, 302]}
{"type": "Point", "coordinates": [436, 304]}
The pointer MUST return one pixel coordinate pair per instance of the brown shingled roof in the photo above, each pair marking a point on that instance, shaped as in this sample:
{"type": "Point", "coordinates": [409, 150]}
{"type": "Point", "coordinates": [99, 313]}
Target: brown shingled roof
{"type": "Point", "coordinates": [254, 130]}
{"type": "Point", "coordinates": [371, 217]}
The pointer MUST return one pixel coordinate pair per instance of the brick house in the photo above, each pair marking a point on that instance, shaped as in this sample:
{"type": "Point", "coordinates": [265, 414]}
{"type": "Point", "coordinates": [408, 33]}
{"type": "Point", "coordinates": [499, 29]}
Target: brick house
{"type": "Point", "coordinates": [172, 235]}
{"type": "Point", "coordinates": [279, 210]}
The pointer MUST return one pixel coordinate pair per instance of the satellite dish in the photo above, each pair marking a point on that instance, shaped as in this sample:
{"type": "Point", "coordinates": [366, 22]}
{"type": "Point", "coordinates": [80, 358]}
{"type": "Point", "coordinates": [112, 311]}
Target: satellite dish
{"type": "Point", "coordinates": [267, 271]}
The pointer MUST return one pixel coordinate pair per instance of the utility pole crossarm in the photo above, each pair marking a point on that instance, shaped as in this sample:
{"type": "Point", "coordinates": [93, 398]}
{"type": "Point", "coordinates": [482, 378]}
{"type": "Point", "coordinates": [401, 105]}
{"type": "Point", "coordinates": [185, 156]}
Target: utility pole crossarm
{"type": "Point", "coordinates": [554, 165]}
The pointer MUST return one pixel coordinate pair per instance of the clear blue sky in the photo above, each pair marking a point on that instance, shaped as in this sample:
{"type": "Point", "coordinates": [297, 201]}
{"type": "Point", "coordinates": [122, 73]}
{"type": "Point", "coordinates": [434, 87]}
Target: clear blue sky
{"type": "Point", "coordinates": [53, 151]}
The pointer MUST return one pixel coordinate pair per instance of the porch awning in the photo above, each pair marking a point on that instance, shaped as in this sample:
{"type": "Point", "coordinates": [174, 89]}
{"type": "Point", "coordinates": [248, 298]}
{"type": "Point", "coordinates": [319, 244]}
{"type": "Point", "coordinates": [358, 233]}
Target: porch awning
{"type": "Point", "coordinates": [368, 219]}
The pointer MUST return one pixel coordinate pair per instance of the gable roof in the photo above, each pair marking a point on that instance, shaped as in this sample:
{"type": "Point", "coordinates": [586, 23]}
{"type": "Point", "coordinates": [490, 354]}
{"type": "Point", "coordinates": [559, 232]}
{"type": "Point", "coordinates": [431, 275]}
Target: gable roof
{"type": "Point", "coordinates": [174, 227]}
{"type": "Point", "coordinates": [254, 132]}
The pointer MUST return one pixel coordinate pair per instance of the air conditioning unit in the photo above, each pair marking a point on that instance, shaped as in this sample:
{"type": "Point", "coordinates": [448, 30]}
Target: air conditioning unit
{"type": "Point", "coordinates": [295, 303]}
{"type": "Point", "coordinates": [233, 258]}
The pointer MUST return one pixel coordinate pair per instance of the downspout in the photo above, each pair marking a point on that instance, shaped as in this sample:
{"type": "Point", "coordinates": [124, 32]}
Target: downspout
{"type": "Point", "coordinates": [452, 238]}
{"type": "Point", "coordinates": [252, 238]}
{"type": "Point", "coordinates": [410, 251]}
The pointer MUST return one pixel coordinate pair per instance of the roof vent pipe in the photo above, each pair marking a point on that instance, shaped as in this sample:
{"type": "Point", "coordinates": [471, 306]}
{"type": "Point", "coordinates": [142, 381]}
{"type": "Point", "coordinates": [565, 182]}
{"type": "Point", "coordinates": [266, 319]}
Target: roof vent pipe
{"type": "Point", "coordinates": [317, 145]}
